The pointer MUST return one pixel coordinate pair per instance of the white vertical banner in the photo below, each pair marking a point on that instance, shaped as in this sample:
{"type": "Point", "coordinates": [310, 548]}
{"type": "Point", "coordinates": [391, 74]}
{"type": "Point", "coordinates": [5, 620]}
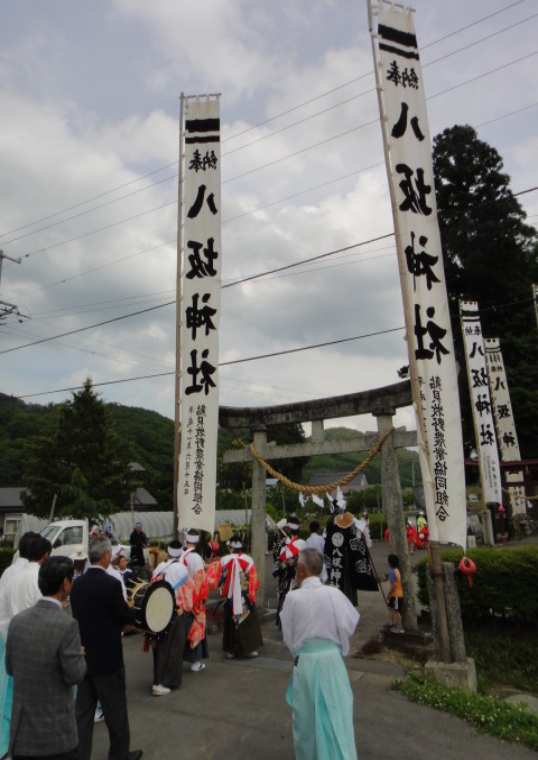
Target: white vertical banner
{"type": "Point", "coordinates": [429, 333]}
{"type": "Point", "coordinates": [505, 424]}
{"type": "Point", "coordinates": [200, 311]}
{"type": "Point", "coordinates": [484, 425]}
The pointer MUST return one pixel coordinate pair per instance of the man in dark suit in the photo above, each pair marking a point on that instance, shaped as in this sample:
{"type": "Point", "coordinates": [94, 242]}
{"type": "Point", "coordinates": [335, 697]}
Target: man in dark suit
{"type": "Point", "coordinates": [101, 612]}
{"type": "Point", "coordinates": [44, 656]}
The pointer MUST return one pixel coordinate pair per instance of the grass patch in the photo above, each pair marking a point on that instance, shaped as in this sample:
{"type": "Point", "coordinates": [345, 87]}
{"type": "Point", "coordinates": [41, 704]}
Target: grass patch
{"type": "Point", "coordinates": [504, 655]}
{"type": "Point", "coordinates": [514, 723]}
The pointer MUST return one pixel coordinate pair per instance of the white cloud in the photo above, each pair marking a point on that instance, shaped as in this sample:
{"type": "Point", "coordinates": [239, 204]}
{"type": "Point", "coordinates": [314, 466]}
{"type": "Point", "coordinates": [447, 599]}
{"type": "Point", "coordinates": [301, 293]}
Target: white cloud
{"type": "Point", "coordinates": [77, 125]}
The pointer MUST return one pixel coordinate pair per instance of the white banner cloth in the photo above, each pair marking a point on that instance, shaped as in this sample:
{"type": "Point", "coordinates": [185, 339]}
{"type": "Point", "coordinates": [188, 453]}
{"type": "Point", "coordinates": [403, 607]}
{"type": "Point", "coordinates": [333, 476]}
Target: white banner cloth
{"type": "Point", "coordinates": [484, 425]}
{"type": "Point", "coordinates": [200, 311]}
{"type": "Point", "coordinates": [429, 332]}
{"type": "Point", "coordinates": [505, 424]}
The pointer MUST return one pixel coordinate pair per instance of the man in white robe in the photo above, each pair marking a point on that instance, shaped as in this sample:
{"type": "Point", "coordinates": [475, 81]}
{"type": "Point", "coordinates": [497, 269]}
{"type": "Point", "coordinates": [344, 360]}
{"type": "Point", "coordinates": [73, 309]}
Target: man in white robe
{"type": "Point", "coordinates": [317, 623]}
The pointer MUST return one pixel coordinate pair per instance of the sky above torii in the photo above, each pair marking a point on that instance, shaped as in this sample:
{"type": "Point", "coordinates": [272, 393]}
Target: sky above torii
{"type": "Point", "coordinates": [89, 150]}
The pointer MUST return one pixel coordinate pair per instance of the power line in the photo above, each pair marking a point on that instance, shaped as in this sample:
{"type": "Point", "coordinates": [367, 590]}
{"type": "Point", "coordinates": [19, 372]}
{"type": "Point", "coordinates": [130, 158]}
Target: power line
{"type": "Point", "coordinates": [224, 364]}
{"type": "Point", "coordinates": [271, 355]}
{"type": "Point", "coordinates": [273, 118]}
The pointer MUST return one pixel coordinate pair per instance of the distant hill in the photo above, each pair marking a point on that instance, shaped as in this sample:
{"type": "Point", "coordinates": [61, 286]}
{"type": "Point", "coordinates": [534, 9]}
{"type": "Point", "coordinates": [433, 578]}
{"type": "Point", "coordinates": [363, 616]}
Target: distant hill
{"type": "Point", "coordinates": [147, 436]}
{"type": "Point", "coordinates": [149, 440]}
{"type": "Point", "coordinates": [407, 459]}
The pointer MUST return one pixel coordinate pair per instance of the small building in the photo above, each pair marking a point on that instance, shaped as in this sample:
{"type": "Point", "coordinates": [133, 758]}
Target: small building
{"type": "Point", "coordinates": [359, 482]}
{"type": "Point", "coordinates": [11, 511]}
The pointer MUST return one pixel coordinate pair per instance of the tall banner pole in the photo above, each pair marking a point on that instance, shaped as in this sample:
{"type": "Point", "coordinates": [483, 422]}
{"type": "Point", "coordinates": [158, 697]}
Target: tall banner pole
{"type": "Point", "coordinates": [482, 408]}
{"type": "Point", "coordinates": [177, 404]}
{"type": "Point", "coordinates": [200, 314]}
{"type": "Point", "coordinates": [505, 426]}
{"type": "Point", "coordinates": [535, 299]}
{"type": "Point", "coordinates": [432, 362]}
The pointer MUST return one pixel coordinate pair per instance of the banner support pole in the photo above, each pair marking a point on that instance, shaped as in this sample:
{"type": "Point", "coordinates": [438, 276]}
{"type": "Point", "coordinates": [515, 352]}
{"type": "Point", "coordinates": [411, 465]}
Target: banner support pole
{"type": "Point", "coordinates": [177, 405]}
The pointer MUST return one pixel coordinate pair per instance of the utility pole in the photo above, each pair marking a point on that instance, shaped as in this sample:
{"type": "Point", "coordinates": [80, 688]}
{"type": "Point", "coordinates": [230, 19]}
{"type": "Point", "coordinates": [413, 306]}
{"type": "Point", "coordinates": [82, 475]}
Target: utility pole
{"type": "Point", "coordinates": [6, 309]}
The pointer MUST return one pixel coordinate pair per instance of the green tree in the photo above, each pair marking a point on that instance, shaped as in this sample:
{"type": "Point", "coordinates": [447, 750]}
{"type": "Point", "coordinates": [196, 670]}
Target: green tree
{"type": "Point", "coordinates": [82, 462]}
{"type": "Point", "coordinates": [490, 257]}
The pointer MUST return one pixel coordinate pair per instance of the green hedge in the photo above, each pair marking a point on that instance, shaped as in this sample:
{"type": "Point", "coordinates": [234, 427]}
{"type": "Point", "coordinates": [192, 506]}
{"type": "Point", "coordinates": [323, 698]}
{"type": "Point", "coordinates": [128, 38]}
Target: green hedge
{"type": "Point", "coordinates": [6, 556]}
{"type": "Point", "coordinates": [505, 583]}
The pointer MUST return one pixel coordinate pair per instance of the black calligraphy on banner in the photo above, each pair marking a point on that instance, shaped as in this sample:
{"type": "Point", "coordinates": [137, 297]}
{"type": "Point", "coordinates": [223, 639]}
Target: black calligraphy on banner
{"type": "Point", "coordinates": [200, 373]}
{"type": "Point", "coordinates": [420, 263]}
{"type": "Point", "coordinates": [199, 460]}
{"type": "Point", "coordinates": [202, 163]}
{"type": "Point", "coordinates": [202, 266]}
{"type": "Point", "coordinates": [439, 448]}
{"type": "Point", "coordinates": [435, 335]}
{"type": "Point", "coordinates": [414, 189]}
{"type": "Point", "coordinates": [400, 128]}
{"type": "Point", "coordinates": [187, 443]}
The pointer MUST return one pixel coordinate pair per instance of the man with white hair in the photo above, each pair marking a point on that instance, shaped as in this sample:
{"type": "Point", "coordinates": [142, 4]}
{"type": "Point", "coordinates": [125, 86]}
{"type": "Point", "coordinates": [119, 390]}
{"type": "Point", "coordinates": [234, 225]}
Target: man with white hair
{"type": "Point", "coordinates": [101, 612]}
{"type": "Point", "coordinates": [317, 624]}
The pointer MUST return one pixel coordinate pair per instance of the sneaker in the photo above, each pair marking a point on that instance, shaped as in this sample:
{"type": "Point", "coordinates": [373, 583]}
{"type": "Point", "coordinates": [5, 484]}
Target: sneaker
{"type": "Point", "coordinates": [98, 717]}
{"type": "Point", "coordinates": [252, 654]}
{"type": "Point", "coordinates": [160, 691]}
{"type": "Point", "coordinates": [230, 656]}
{"type": "Point", "coordinates": [197, 666]}
{"type": "Point", "coordinates": [398, 630]}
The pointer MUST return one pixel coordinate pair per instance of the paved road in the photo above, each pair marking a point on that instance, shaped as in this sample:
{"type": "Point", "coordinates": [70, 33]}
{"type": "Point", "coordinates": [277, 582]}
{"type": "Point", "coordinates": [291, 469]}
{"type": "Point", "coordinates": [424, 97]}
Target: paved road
{"type": "Point", "coordinates": [238, 708]}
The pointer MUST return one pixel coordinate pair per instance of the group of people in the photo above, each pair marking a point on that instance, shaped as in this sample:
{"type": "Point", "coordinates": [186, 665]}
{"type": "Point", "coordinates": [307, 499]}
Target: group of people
{"type": "Point", "coordinates": [419, 535]}
{"type": "Point", "coordinates": [39, 639]}
{"type": "Point", "coordinates": [45, 645]}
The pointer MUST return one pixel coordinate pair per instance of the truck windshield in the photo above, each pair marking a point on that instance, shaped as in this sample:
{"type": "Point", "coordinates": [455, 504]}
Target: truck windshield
{"type": "Point", "coordinates": [50, 532]}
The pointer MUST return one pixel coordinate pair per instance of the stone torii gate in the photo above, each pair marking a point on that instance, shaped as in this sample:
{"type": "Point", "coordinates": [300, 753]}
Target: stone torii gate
{"type": "Point", "coordinates": [381, 403]}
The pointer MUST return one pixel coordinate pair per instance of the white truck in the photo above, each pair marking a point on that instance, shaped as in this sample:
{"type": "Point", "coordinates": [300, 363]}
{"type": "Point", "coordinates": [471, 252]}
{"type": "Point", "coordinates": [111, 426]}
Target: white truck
{"type": "Point", "coordinates": [67, 536]}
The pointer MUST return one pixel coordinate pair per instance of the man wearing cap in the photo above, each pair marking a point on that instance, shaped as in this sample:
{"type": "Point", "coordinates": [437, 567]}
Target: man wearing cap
{"type": "Point", "coordinates": [194, 598]}
{"type": "Point", "coordinates": [139, 542]}
{"type": "Point", "coordinates": [317, 623]}
{"type": "Point", "coordinates": [168, 646]}
{"type": "Point", "coordinates": [239, 582]}
{"type": "Point", "coordinates": [80, 563]}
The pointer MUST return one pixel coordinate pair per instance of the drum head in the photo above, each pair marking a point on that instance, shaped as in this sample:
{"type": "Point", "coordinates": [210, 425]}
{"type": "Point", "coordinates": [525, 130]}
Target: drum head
{"type": "Point", "coordinates": [159, 606]}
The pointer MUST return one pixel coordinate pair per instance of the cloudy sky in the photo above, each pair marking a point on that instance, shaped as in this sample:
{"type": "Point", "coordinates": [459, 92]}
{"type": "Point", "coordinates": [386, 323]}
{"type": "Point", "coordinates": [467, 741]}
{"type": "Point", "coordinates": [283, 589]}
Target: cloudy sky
{"type": "Point", "coordinates": [88, 198]}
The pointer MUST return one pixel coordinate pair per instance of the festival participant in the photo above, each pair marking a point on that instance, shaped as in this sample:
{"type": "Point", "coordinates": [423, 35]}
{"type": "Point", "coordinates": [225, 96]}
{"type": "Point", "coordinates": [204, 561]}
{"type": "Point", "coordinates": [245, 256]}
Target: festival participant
{"type": "Point", "coordinates": [395, 595]}
{"type": "Point", "coordinates": [124, 570]}
{"type": "Point", "coordinates": [193, 598]}
{"type": "Point", "coordinates": [347, 559]}
{"type": "Point", "coordinates": [317, 623]}
{"type": "Point", "coordinates": [423, 536]}
{"type": "Point", "coordinates": [168, 646]}
{"type": "Point", "coordinates": [239, 582]}
{"type": "Point", "coordinates": [281, 536]}
{"type": "Point", "coordinates": [139, 542]}
{"type": "Point", "coordinates": [316, 541]}
{"type": "Point", "coordinates": [80, 563]}
{"type": "Point", "coordinates": [362, 527]}
{"type": "Point", "coordinates": [411, 532]}
{"type": "Point", "coordinates": [101, 612]}
{"type": "Point", "coordinates": [45, 658]}
{"type": "Point", "coordinates": [421, 521]}
{"type": "Point", "coordinates": [287, 561]}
